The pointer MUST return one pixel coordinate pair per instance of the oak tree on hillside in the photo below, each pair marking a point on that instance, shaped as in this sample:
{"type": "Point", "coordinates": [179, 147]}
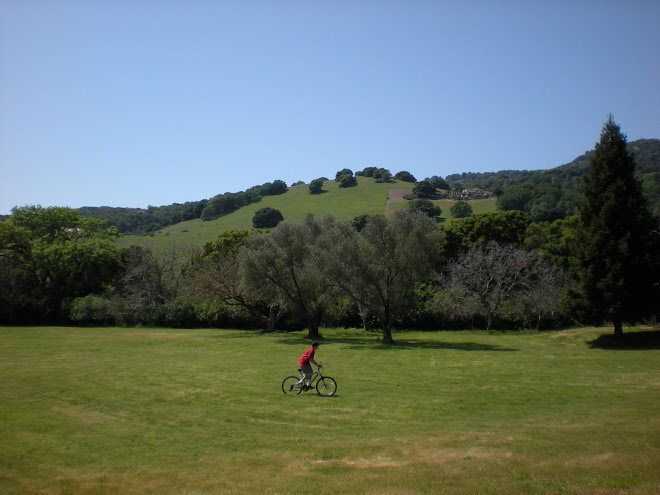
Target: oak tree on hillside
{"type": "Point", "coordinates": [266, 218]}
{"type": "Point", "coordinates": [617, 262]}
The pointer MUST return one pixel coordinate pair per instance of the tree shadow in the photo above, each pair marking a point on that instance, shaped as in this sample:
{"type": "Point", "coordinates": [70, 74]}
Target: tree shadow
{"type": "Point", "coordinates": [633, 341]}
{"type": "Point", "coordinates": [360, 342]}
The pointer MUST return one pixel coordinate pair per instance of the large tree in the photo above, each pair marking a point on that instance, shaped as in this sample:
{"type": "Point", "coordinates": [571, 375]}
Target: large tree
{"type": "Point", "coordinates": [48, 257]}
{"type": "Point", "coordinates": [381, 266]}
{"type": "Point", "coordinates": [286, 261]}
{"type": "Point", "coordinates": [617, 257]}
{"type": "Point", "coordinates": [216, 275]}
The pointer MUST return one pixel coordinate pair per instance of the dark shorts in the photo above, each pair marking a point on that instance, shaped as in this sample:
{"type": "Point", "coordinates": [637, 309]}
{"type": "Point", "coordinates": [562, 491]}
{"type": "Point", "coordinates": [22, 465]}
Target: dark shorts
{"type": "Point", "coordinates": [306, 369]}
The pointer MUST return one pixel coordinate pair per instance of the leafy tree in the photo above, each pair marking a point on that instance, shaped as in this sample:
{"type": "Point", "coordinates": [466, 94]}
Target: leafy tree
{"type": "Point", "coordinates": [438, 182]}
{"type": "Point", "coordinates": [461, 209]}
{"type": "Point", "coordinates": [216, 276]}
{"type": "Point", "coordinates": [266, 218]}
{"type": "Point", "coordinates": [286, 262]}
{"type": "Point", "coordinates": [345, 178]}
{"type": "Point", "coordinates": [617, 257]}
{"type": "Point", "coordinates": [360, 222]}
{"type": "Point", "coordinates": [48, 257]}
{"type": "Point", "coordinates": [425, 206]}
{"type": "Point", "coordinates": [424, 189]}
{"type": "Point", "coordinates": [342, 173]}
{"type": "Point", "coordinates": [316, 186]}
{"type": "Point", "coordinates": [504, 227]}
{"type": "Point", "coordinates": [380, 267]}
{"type": "Point", "coordinates": [386, 176]}
{"type": "Point", "coordinates": [273, 188]}
{"type": "Point", "coordinates": [557, 240]}
{"type": "Point", "coordinates": [405, 176]}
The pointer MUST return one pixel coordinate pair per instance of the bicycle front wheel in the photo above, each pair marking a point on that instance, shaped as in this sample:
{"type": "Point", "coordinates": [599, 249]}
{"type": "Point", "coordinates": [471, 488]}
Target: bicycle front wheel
{"type": "Point", "coordinates": [289, 386]}
{"type": "Point", "coordinates": [326, 386]}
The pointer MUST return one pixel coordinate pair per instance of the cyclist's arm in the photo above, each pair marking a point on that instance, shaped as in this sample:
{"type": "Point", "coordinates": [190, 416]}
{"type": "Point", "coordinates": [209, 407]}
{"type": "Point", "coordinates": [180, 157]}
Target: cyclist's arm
{"type": "Point", "coordinates": [311, 360]}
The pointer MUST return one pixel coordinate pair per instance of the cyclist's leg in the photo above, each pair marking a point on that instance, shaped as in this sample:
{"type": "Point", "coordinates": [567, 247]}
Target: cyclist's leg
{"type": "Point", "coordinates": [306, 375]}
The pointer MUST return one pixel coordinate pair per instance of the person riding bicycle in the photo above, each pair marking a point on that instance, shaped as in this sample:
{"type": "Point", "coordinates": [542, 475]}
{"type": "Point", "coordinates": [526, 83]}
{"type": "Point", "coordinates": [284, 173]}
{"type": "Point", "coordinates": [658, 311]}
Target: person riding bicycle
{"type": "Point", "coordinates": [306, 367]}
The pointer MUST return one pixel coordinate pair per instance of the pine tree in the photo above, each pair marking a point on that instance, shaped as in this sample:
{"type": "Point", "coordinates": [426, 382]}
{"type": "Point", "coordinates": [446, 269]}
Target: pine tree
{"type": "Point", "coordinates": [617, 263]}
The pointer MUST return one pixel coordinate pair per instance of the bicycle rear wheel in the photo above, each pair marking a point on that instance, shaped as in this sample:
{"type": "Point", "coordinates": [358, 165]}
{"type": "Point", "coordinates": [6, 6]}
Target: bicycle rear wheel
{"type": "Point", "coordinates": [289, 386]}
{"type": "Point", "coordinates": [326, 386]}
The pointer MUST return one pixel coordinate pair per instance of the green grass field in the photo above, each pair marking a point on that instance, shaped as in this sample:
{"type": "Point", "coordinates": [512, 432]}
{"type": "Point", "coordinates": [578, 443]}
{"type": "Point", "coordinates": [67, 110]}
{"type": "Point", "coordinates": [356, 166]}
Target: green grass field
{"type": "Point", "coordinates": [135, 411]}
{"type": "Point", "coordinates": [369, 197]}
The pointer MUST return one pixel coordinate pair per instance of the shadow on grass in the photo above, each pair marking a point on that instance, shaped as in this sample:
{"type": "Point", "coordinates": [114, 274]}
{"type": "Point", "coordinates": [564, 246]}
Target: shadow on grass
{"type": "Point", "coordinates": [399, 344]}
{"type": "Point", "coordinates": [633, 341]}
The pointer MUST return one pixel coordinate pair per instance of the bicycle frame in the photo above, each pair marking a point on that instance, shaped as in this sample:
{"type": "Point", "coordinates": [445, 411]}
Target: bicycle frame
{"type": "Point", "coordinates": [324, 385]}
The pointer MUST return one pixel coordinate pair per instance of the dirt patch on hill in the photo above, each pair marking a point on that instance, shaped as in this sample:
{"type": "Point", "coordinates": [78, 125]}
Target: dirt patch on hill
{"type": "Point", "coordinates": [396, 195]}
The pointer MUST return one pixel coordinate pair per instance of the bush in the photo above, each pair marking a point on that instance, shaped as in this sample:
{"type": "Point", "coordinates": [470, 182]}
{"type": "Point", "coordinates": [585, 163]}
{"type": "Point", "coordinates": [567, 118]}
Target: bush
{"type": "Point", "coordinates": [93, 310]}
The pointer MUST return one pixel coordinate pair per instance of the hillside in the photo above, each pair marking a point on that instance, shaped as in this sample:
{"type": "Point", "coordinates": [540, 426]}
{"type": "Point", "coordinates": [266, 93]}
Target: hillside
{"type": "Point", "coordinates": [555, 193]}
{"type": "Point", "coordinates": [368, 197]}
{"type": "Point", "coordinates": [545, 194]}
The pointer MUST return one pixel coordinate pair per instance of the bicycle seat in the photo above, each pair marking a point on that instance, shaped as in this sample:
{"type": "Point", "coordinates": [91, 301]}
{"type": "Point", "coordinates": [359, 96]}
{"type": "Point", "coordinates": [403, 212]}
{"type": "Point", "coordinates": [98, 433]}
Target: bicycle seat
{"type": "Point", "coordinates": [300, 370]}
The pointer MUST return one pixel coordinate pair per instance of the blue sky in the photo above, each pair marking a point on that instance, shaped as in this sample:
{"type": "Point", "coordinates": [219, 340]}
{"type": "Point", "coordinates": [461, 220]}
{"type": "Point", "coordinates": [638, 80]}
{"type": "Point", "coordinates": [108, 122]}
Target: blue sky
{"type": "Point", "coordinates": [153, 102]}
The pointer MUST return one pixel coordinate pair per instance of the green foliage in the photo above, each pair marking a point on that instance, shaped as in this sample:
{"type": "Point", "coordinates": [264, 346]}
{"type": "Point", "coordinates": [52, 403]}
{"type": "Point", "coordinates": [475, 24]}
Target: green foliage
{"type": "Point", "coordinates": [548, 195]}
{"type": "Point", "coordinates": [461, 209]}
{"type": "Point", "coordinates": [94, 310]}
{"type": "Point", "coordinates": [284, 265]}
{"type": "Point", "coordinates": [425, 206]}
{"type": "Point", "coordinates": [273, 188]}
{"type": "Point", "coordinates": [48, 256]}
{"type": "Point", "coordinates": [316, 186]}
{"type": "Point", "coordinates": [381, 174]}
{"type": "Point", "coordinates": [360, 222]}
{"type": "Point", "coordinates": [617, 267]}
{"type": "Point", "coordinates": [266, 218]}
{"type": "Point", "coordinates": [506, 227]}
{"type": "Point", "coordinates": [438, 182]}
{"type": "Point", "coordinates": [424, 190]}
{"type": "Point", "coordinates": [345, 178]}
{"type": "Point", "coordinates": [405, 176]}
{"type": "Point", "coordinates": [380, 267]}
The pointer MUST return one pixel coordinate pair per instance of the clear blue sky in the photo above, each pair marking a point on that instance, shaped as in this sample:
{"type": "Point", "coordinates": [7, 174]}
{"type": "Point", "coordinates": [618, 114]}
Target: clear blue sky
{"type": "Point", "coordinates": [154, 102]}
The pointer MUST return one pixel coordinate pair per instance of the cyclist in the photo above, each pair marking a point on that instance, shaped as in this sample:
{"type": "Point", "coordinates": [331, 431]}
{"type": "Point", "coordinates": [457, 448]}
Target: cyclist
{"type": "Point", "coordinates": [306, 367]}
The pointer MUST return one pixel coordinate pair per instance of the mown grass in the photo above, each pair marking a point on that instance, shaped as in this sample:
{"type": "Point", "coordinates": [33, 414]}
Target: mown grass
{"type": "Point", "coordinates": [113, 410]}
{"type": "Point", "coordinates": [368, 198]}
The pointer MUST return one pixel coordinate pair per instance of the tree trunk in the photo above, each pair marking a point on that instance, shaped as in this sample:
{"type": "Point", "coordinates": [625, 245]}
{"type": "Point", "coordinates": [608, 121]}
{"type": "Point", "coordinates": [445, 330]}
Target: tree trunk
{"type": "Point", "coordinates": [364, 314]}
{"type": "Point", "coordinates": [272, 319]}
{"type": "Point", "coordinates": [387, 335]}
{"type": "Point", "coordinates": [313, 327]}
{"type": "Point", "coordinates": [313, 332]}
{"type": "Point", "coordinates": [618, 329]}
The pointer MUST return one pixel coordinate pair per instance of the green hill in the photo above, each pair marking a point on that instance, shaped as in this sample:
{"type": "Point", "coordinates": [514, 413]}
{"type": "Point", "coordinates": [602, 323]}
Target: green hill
{"type": "Point", "coordinates": [368, 197]}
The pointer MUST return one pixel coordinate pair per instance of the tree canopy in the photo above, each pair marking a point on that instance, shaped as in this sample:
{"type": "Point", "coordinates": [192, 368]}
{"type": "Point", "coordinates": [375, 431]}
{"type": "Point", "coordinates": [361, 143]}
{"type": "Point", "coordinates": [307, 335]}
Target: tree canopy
{"type": "Point", "coordinates": [266, 218]}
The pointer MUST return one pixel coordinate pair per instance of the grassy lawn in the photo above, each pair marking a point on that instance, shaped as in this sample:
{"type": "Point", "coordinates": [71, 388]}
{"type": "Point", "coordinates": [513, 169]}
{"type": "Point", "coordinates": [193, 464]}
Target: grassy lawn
{"type": "Point", "coordinates": [128, 411]}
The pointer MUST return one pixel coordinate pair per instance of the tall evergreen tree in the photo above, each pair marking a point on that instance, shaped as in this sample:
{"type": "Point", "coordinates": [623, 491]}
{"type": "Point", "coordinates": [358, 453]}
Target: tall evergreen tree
{"type": "Point", "coordinates": [617, 263]}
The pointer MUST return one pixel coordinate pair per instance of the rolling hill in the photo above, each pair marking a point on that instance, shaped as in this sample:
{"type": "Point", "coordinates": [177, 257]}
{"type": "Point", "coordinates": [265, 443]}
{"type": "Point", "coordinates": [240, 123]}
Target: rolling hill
{"type": "Point", "coordinates": [368, 197]}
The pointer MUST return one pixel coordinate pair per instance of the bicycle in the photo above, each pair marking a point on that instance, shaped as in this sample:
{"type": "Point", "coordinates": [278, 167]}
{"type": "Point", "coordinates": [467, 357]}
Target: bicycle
{"type": "Point", "coordinates": [324, 385]}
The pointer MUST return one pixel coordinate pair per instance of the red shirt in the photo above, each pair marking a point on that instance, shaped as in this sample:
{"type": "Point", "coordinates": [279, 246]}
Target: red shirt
{"type": "Point", "coordinates": [304, 359]}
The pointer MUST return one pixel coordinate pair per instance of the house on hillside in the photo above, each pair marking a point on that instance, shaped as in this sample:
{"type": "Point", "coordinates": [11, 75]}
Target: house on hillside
{"type": "Point", "coordinates": [476, 193]}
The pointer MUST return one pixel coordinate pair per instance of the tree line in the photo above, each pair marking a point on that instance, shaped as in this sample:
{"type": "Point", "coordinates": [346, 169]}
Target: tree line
{"type": "Point", "coordinates": [496, 270]}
